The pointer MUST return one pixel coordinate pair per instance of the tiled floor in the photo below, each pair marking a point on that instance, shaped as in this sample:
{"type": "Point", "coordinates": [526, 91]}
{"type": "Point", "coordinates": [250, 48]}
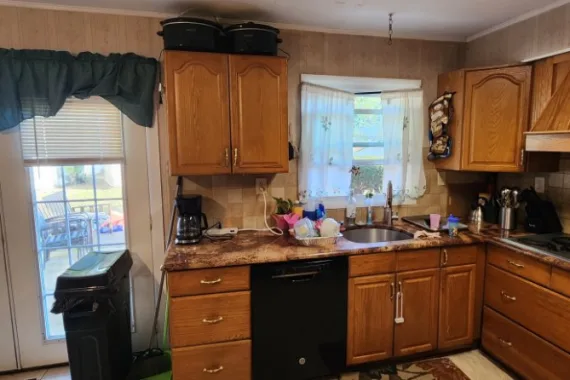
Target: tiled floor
{"type": "Point", "coordinates": [59, 373]}
{"type": "Point", "coordinates": [474, 364]}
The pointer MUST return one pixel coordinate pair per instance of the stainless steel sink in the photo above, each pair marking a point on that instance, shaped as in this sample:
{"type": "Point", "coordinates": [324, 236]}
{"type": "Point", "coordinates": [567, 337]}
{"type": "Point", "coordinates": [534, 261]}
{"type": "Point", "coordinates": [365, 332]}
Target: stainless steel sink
{"type": "Point", "coordinates": [375, 235]}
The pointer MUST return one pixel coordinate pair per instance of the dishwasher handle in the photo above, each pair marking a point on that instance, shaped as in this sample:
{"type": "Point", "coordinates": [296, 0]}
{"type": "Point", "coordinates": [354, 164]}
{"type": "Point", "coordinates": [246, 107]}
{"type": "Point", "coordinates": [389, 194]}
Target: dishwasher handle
{"type": "Point", "coordinates": [296, 277]}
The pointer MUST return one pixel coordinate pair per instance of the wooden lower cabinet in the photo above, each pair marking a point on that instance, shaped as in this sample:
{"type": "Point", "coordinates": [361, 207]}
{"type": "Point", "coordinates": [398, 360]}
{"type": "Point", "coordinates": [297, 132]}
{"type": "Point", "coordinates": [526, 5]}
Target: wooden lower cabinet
{"type": "Point", "coordinates": [220, 361]}
{"type": "Point", "coordinates": [418, 294]}
{"type": "Point", "coordinates": [526, 353]}
{"type": "Point", "coordinates": [457, 306]}
{"type": "Point", "coordinates": [370, 318]}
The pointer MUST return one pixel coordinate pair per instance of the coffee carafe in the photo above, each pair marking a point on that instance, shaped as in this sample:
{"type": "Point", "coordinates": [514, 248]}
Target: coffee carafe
{"type": "Point", "coordinates": [191, 220]}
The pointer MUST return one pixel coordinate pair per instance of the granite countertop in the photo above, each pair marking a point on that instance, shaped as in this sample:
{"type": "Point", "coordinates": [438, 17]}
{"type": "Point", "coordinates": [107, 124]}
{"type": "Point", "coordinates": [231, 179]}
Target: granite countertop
{"type": "Point", "coordinates": [262, 247]}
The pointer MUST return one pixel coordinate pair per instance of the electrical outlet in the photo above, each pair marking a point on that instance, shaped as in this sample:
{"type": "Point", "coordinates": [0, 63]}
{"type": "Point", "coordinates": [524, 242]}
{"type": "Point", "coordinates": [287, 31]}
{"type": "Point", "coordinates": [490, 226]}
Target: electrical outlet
{"type": "Point", "coordinates": [539, 184]}
{"type": "Point", "coordinates": [260, 185]}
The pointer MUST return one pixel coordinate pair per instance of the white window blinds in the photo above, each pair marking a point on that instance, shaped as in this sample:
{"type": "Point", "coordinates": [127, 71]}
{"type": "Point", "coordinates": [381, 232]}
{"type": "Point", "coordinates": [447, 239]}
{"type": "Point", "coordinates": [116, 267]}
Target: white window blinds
{"type": "Point", "coordinates": [83, 131]}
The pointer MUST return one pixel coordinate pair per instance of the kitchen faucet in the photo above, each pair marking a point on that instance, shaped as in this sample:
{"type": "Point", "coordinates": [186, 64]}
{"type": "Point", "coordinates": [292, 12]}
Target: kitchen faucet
{"type": "Point", "coordinates": [388, 208]}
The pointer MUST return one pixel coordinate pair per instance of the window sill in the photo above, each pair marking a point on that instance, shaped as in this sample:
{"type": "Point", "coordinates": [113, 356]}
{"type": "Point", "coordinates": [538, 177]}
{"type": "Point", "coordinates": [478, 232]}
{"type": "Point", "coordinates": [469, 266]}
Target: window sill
{"type": "Point", "coordinates": [377, 201]}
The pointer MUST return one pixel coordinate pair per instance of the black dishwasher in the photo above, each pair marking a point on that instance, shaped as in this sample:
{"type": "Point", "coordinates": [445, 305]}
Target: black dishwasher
{"type": "Point", "coordinates": [299, 319]}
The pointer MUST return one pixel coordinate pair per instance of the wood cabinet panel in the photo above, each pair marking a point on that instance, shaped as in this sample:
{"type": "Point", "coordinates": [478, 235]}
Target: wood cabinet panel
{"type": "Point", "coordinates": [521, 350]}
{"type": "Point", "coordinates": [206, 281]}
{"type": "Point", "coordinates": [536, 308]}
{"type": "Point", "coordinates": [496, 115]}
{"type": "Point", "coordinates": [419, 259]}
{"type": "Point", "coordinates": [418, 294]}
{"type": "Point", "coordinates": [197, 96]}
{"type": "Point", "coordinates": [209, 318]}
{"type": "Point", "coordinates": [560, 281]}
{"type": "Point", "coordinates": [457, 306]}
{"type": "Point", "coordinates": [370, 318]}
{"type": "Point", "coordinates": [452, 256]}
{"type": "Point", "coordinates": [378, 263]}
{"type": "Point", "coordinates": [259, 114]}
{"type": "Point", "coordinates": [519, 264]}
{"type": "Point", "coordinates": [221, 361]}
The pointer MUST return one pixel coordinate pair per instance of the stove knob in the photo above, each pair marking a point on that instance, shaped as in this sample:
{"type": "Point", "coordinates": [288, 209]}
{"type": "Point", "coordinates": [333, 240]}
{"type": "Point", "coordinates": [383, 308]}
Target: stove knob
{"type": "Point", "coordinates": [302, 361]}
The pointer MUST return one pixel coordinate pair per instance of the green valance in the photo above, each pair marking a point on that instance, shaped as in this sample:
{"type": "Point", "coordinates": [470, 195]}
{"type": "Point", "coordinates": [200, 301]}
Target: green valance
{"type": "Point", "coordinates": [38, 82]}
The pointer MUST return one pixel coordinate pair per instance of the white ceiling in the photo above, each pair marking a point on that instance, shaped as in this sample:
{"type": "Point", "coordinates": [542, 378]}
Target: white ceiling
{"type": "Point", "coordinates": [427, 19]}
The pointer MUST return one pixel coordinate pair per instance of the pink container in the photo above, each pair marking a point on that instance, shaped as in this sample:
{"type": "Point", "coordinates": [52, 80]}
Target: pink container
{"type": "Point", "coordinates": [434, 220]}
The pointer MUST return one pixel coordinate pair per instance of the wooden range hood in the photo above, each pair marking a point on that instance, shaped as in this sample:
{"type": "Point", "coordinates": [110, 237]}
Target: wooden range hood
{"type": "Point", "coordinates": [551, 92]}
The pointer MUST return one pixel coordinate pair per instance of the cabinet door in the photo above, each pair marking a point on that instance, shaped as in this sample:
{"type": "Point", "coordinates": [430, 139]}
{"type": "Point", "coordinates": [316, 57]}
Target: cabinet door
{"type": "Point", "coordinates": [259, 114]}
{"type": "Point", "coordinates": [418, 307]}
{"type": "Point", "coordinates": [370, 318]}
{"type": "Point", "coordinates": [496, 115]}
{"type": "Point", "coordinates": [197, 108]}
{"type": "Point", "coordinates": [457, 306]}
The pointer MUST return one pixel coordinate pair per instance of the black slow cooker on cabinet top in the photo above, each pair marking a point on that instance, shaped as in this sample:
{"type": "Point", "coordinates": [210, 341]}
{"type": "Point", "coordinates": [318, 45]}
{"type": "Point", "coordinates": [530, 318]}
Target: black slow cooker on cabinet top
{"type": "Point", "coordinates": [196, 34]}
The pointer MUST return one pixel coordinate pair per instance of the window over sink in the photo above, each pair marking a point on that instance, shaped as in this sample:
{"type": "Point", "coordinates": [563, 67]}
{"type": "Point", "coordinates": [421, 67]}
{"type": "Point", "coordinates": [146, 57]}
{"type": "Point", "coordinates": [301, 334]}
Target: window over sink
{"type": "Point", "coordinates": [359, 133]}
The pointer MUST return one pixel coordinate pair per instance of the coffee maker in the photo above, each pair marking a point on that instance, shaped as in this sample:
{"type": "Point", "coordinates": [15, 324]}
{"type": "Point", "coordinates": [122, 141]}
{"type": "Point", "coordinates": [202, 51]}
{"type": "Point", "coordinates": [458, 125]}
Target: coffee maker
{"type": "Point", "coordinates": [192, 221]}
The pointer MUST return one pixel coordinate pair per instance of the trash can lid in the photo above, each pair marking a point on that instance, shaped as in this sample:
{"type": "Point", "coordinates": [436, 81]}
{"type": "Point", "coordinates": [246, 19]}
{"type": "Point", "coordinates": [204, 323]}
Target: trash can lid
{"type": "Point", "coordinates": [96, 271]}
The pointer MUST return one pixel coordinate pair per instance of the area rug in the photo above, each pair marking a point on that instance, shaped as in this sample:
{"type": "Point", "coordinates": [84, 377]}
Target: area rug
{"type": "Point", "coordinates": [432, 369]}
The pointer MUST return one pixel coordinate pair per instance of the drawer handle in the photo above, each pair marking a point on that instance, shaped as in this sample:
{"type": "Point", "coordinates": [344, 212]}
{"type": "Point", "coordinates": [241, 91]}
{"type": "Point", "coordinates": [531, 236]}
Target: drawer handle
{"type": "Point", "coordinates": [510, 298]}
{"type": "Point", "coordinates": [213, 282]}
{"type": "Point", "coordinates": [517, 265]}
{"type": "Point", "coordinates": [444, 257]}
{"type": "Point", "coordinates": [213, 321]}
{"type": "Point", "coordinates": [215, 370]}
{"type": "Point", "coordinates": [505, 342]}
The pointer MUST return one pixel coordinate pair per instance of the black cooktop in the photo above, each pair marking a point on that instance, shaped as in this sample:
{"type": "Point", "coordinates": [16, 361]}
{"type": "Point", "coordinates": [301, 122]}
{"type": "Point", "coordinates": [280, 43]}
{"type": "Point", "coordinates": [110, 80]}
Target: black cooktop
{"type": "Point", "coordinates": [553, 244]}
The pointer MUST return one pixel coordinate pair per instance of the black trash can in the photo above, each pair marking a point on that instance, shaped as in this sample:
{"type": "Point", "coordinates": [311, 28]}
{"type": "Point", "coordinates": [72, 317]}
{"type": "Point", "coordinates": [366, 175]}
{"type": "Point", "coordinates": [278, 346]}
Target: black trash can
{"type": "Point", "coordinates": [94, 297]}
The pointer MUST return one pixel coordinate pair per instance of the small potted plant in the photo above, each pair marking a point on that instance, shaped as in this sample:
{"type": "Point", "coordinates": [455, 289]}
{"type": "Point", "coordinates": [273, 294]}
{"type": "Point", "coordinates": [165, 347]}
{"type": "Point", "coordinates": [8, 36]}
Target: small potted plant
{"type": "Point", "coordinates": [282, 208]}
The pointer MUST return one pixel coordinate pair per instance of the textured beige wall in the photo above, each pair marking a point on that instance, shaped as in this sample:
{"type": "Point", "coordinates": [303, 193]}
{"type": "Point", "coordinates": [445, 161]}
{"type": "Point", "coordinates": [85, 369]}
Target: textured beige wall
{"type": "Point", "coordinates": [543, 34]}
{"type": "Point", "coordinates": [232, 198]}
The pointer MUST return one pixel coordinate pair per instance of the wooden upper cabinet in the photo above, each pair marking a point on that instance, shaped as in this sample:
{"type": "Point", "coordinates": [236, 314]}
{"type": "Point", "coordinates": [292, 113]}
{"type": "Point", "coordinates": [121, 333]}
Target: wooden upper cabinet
{"type": "Point", "coordinates": [457, 306]}
{"type": "Point", "coordinates": [418, 293]}
{"type": "Point", "coordinates": [496, 116]}
{"type": "Point", "coordinates": [370, 318]}
{"type": "Point", "coordinates": [197, 96]}
{"type": "Point", "coordinates": [259, 114]}
{"type": "Point", "coordinates": [491, 114]}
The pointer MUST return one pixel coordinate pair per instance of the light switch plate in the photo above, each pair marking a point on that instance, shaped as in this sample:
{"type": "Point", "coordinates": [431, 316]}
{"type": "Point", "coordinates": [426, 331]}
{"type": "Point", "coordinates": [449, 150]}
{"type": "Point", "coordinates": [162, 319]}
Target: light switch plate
{"type": "Point", "coordinates": [539, 184]}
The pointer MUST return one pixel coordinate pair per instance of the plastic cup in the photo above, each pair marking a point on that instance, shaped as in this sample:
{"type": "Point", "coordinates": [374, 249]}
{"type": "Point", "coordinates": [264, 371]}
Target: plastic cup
{"type": "Point", "coordinates": [434, 220]}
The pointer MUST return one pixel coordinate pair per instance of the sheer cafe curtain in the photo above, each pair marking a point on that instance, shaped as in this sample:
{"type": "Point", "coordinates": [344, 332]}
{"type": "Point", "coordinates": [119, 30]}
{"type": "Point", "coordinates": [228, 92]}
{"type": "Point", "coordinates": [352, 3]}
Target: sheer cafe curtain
{"type": "Point", "coordinates": [326, 142]}
{"type": "Point", "coordinates": [403, 118]}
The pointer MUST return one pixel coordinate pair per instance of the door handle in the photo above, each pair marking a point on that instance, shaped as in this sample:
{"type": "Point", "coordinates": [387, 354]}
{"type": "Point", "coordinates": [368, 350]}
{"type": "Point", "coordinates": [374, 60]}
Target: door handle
{"type": "Point", "coordinates": [227, 157]}
{"type": "Point", "coordinates": [444, 257]}
{"type": "Point", "coordinates": [517, 265]}
{"type": "Point", "coordinates": [212, 282]}
{"type": "Point", "coordinates": [392, 290]}
{"type": "Point", "coordinates": [215, 370]}
{"type": "Point", "coordinates": [213, 321]}
{"type": "Point", "coordinates": [510, 298]}
{"type": "Point", "coordinates": [235, 156]}
{"type": "Point", "coordinates": [505, 342]}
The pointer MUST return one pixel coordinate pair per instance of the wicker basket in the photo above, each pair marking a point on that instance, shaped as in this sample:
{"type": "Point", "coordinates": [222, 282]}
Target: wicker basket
{"type": "Point", "coordinates": [318, 241]}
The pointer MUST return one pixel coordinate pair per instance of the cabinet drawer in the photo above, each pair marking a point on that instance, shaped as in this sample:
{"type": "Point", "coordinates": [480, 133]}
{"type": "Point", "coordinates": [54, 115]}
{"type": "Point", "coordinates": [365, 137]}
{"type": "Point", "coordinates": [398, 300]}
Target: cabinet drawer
{"type": "Point", "coordinates": [540, 310]}
{"type": "Point", "coordinates": [419, 259]}
{"type": "Point", "coordinates": [205, 281]}
{"type": "Point", "coordinates": [520, 264]}
{"type": "Point", "coordinates": [453, 256]}
{"type": "Point", "coordinates": [209, 319]}
{"type": "Point", "coordinates": [221, 361]}
{"type": "Point", "coordinates": [378, 263]}
{"type": "Point", "coordinates": [560, 281]}
{"type": "Point", "coordinates": [523, 351]}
